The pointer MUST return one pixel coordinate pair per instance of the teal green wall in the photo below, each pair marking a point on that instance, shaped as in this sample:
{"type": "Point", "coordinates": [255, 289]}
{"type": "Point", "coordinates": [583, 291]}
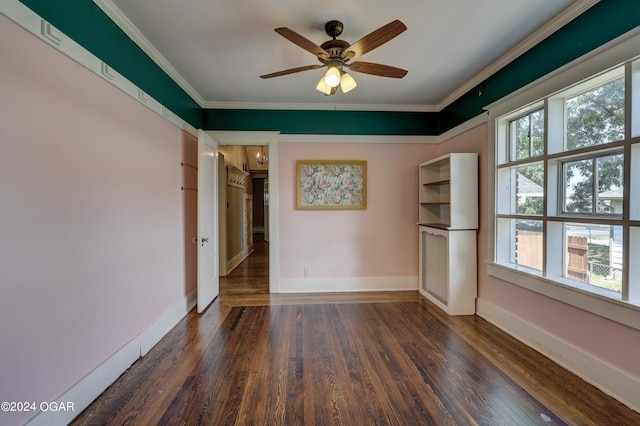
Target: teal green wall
{"type": "Point", "coordinates": [84, 22]}
{"type": "Point", "coordinates": [603, 22]}
{"type": "Point", "coordinates": [87, 24]}
{"type": "Point", "coordinates": [323, 122]}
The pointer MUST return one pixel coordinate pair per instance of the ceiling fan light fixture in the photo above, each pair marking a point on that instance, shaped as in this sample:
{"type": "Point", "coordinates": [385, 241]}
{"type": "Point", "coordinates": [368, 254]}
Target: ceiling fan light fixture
{"type": "Point", "coordinates": [332, 77]}
{"type": "Point", "coordinates": [347, 83]}
{"type": "Point", "coordinates": [335, 54]}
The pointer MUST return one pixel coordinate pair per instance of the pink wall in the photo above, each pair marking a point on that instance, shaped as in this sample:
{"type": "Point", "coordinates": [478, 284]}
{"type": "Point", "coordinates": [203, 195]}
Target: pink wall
{"type": "Point", "coordinates": [613, 343]}
{"type": "Point", "coordinates": [91, 219]}
{"type": "Point", "coordinates": [381, 241]}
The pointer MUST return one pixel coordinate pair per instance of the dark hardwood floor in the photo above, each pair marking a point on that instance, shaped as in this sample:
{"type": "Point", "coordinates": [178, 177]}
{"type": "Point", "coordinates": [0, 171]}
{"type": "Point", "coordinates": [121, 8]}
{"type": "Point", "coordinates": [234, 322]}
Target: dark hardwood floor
{"type": "Point", "coordinates": [355, 359]}
{"type": "Point", "coordinates": [252, 275]}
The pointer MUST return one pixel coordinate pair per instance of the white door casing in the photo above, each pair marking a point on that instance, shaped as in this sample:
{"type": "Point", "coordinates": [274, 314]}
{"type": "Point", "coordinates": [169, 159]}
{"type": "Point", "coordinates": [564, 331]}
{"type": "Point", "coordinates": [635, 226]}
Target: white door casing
{"type": "Point", "coordinates": [208, 272]}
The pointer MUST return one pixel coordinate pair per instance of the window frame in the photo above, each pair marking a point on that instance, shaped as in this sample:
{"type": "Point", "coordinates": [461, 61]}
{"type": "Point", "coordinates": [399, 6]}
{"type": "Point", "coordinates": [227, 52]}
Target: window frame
{"type": "Point", "coordinates": [550, 92]}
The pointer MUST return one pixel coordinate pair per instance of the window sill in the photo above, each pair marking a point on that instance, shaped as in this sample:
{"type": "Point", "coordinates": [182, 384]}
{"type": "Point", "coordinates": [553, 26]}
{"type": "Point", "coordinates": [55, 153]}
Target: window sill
{"type": "Point", "coordinates": [623, 312]}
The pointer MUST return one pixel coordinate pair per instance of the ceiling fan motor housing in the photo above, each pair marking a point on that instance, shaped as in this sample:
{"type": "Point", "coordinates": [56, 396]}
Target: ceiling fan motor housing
{"type": "Point", "coordinates": [333, 28]}
{"type": "Point", "coordinates": [334, 48]}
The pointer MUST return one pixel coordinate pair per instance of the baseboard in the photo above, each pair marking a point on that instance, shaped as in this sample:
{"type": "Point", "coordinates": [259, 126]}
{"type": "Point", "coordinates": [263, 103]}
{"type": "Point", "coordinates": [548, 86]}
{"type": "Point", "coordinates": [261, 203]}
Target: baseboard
{"type": "Point", "coordinates": [330, 285]}
{"type": "Point", "coordinates": [83, 393]}
{"type": "Point", "coordinates": [605, 377]}
{"type": "Point", "coordinates": [238, 258]}
{"type": "Point", "coordinates": [156, 331]}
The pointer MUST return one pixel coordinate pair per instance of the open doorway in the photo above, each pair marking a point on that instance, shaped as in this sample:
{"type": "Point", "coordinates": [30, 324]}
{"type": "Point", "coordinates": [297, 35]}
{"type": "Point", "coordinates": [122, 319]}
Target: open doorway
{"type": "Point", "coordinates": [244, 260]}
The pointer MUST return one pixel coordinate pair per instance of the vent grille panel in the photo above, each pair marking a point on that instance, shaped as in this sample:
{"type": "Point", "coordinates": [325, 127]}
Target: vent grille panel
{"type": "Point", "coordinates": [434, 279]}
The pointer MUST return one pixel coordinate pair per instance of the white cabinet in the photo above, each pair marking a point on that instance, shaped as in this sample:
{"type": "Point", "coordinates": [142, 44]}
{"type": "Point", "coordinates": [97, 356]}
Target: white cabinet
{"type": "Point", "coordinates": [448, 269]}
{"type": "Point", "coordinates": [449, 192]}
{"type": "Point", "coordinates": [448, 220]}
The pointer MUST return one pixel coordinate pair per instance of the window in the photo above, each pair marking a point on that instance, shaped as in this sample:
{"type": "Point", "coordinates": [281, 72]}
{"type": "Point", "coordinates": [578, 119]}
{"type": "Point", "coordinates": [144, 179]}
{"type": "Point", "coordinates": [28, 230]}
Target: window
{"type": "Point", "coordinates": [567, 199]}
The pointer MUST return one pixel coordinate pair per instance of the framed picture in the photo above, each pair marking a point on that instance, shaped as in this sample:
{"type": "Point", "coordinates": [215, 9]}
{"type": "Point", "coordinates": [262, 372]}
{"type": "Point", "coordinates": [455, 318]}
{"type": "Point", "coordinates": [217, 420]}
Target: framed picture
{"type": "Point", "coordinates": [331, 184]}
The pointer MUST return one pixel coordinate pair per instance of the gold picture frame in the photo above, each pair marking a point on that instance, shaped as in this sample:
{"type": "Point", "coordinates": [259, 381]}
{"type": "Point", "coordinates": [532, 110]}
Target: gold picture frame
{"type": "Point", "coordinates": [331, 184]}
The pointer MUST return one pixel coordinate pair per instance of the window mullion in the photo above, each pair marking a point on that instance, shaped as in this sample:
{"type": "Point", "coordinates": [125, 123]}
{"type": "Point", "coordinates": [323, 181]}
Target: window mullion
{"type": "Point", "coordinates": [594, 185]}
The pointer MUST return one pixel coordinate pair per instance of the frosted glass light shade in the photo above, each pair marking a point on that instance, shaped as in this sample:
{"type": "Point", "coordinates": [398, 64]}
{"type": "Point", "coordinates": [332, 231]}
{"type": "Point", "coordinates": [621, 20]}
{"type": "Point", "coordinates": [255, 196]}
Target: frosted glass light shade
{"type": "Point", "coordinates": [347, 83]}
{"type": "Point", "coordinates": [332, 77]}
{"type": "Point", "coordinates": [322, 87]}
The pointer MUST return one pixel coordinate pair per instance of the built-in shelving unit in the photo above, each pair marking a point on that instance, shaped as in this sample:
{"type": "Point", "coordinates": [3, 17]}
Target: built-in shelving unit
{"type": "Point", "coordinates": [449, 192]}
{"type": "Point", "coordinates": [448, 220]}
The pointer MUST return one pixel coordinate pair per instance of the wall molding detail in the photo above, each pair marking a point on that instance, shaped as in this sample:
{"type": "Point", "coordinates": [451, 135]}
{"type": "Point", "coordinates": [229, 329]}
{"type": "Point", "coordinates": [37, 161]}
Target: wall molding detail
{"type": "Point", "coordinates": [83, 393]}
{"type": "Point", "coordinates": [33, 23]}
{"type": "Point", "coordinates": [605, 377]}
{"type": "Point", "coordinates": [237, 177]}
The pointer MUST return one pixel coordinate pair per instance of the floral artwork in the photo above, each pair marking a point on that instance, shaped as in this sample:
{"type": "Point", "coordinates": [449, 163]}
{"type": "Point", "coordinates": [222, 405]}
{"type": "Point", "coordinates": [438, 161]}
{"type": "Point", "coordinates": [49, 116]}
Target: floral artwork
{"type": "Point", "coordinates": [336, 184]}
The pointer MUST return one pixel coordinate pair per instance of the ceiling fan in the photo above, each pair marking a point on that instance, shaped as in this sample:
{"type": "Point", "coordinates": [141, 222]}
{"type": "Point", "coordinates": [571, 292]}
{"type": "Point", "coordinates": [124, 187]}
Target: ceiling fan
{"type": "Point", "coordinates": [335, 55]}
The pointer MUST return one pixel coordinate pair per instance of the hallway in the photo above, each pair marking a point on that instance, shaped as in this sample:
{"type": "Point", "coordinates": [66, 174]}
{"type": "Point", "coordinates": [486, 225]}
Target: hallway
{"type": "Point", "coordinates": [252, 275]}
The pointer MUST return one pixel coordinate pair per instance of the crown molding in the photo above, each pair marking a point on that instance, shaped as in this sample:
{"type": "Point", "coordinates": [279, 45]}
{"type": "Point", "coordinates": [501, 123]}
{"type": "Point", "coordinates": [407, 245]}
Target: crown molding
{"type": "Point", "coordinates": [119, 18]}
{"type": "Point", "coordinates": [336, 107]}
{"type": "Point", "coordinates": [365, 139]}
{"type": "Point", "coordinates": [569, 14]}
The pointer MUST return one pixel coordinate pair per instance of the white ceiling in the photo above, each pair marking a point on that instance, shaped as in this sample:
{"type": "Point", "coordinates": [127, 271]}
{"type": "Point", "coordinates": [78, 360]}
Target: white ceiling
{"type": "Point", "coordinates": [217, 50]}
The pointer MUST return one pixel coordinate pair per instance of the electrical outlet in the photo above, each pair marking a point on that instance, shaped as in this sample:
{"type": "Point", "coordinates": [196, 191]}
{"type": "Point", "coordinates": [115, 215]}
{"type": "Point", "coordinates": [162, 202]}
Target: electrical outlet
{"type": "Point", "coordinates": [306, 272]}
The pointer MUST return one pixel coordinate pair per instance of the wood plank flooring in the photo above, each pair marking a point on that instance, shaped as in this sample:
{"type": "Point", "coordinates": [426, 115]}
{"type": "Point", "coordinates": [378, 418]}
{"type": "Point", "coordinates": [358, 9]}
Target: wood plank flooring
{"type": "Point", "coordinates": [384, 358]}
{"type": "Point", "coordinates": [251, 276]}
{"type": "Point", "coordinates": [353, 359]}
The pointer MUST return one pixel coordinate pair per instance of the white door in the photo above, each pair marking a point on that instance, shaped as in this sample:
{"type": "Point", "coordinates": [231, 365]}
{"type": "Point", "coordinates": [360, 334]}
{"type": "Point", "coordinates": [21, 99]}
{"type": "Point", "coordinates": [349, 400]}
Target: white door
{"type": "Point", "coordinates": [266, 210]}
{"type": "Point", "coordinates": [208, 274]}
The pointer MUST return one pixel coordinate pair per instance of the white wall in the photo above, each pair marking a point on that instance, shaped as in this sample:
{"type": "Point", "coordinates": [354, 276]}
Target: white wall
{"type": "Point", "coordinates": [91, 220]}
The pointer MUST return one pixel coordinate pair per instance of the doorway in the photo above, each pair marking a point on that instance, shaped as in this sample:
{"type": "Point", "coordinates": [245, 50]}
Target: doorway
{"type": "Point", "coordinates": [244, 250]}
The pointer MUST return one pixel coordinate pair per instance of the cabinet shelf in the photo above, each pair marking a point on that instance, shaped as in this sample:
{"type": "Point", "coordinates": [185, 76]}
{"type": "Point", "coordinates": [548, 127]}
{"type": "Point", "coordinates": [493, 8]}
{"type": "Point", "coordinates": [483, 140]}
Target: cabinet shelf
{"type": "Point", "coordinates": [434, 225]}
{"type": "Point", "coordinates": [437, 182]}
{"type": "Point", "coordinates": [449, 191]}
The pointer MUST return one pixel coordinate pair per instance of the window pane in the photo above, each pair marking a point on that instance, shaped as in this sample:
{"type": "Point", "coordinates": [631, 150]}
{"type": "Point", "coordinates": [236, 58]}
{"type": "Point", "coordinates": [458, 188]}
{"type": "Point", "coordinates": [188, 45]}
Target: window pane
{"type": "Point", "coordinates": [528, 243]}
{"type": "Point", "coordinates": [610, 183]}
{"type": "Point", "coordinates": [529, 189]}
{"type": "Point", "coordinates": [537, 133]}
{"type": "Point", "coordinates": [520, 128]}
{"type": "Point", "coordinates": [593, 255]}
{"type": "Point", "coordinates": [527, 135]}
{"type": "Point", "coordinates": [578, 186]}
{"type": "Point", "coordinates": [596, 116]}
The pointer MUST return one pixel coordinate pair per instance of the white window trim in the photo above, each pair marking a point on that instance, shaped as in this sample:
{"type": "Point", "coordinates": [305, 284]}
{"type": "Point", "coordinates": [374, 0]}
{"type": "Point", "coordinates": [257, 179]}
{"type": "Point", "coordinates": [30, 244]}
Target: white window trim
{"type": "Point", "coordinates": [608, 56]}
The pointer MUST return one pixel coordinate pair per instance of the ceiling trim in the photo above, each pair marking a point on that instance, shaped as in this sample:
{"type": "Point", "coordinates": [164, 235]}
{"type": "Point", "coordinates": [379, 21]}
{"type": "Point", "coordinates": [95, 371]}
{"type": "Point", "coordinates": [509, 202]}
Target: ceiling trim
{"type": "Point", "coordinates": [119, 18]}
{"type": "Point", "coordinates": [545, 31]}
{"type": "Point", "coordinates": [327, 106]}
{"type": "Point", "coordinates": [239, 137]}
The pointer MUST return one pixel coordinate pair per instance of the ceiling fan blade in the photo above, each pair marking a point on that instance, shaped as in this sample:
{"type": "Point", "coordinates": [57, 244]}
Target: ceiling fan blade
{"type": "Point", "coordinates": [374, 39]}
{"type": "Point", "coordinates": [377, 69]}
{"type": "Point", "coordinates": [299, 40]}
{"type": "Point", "coordinates": [292, 70]}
